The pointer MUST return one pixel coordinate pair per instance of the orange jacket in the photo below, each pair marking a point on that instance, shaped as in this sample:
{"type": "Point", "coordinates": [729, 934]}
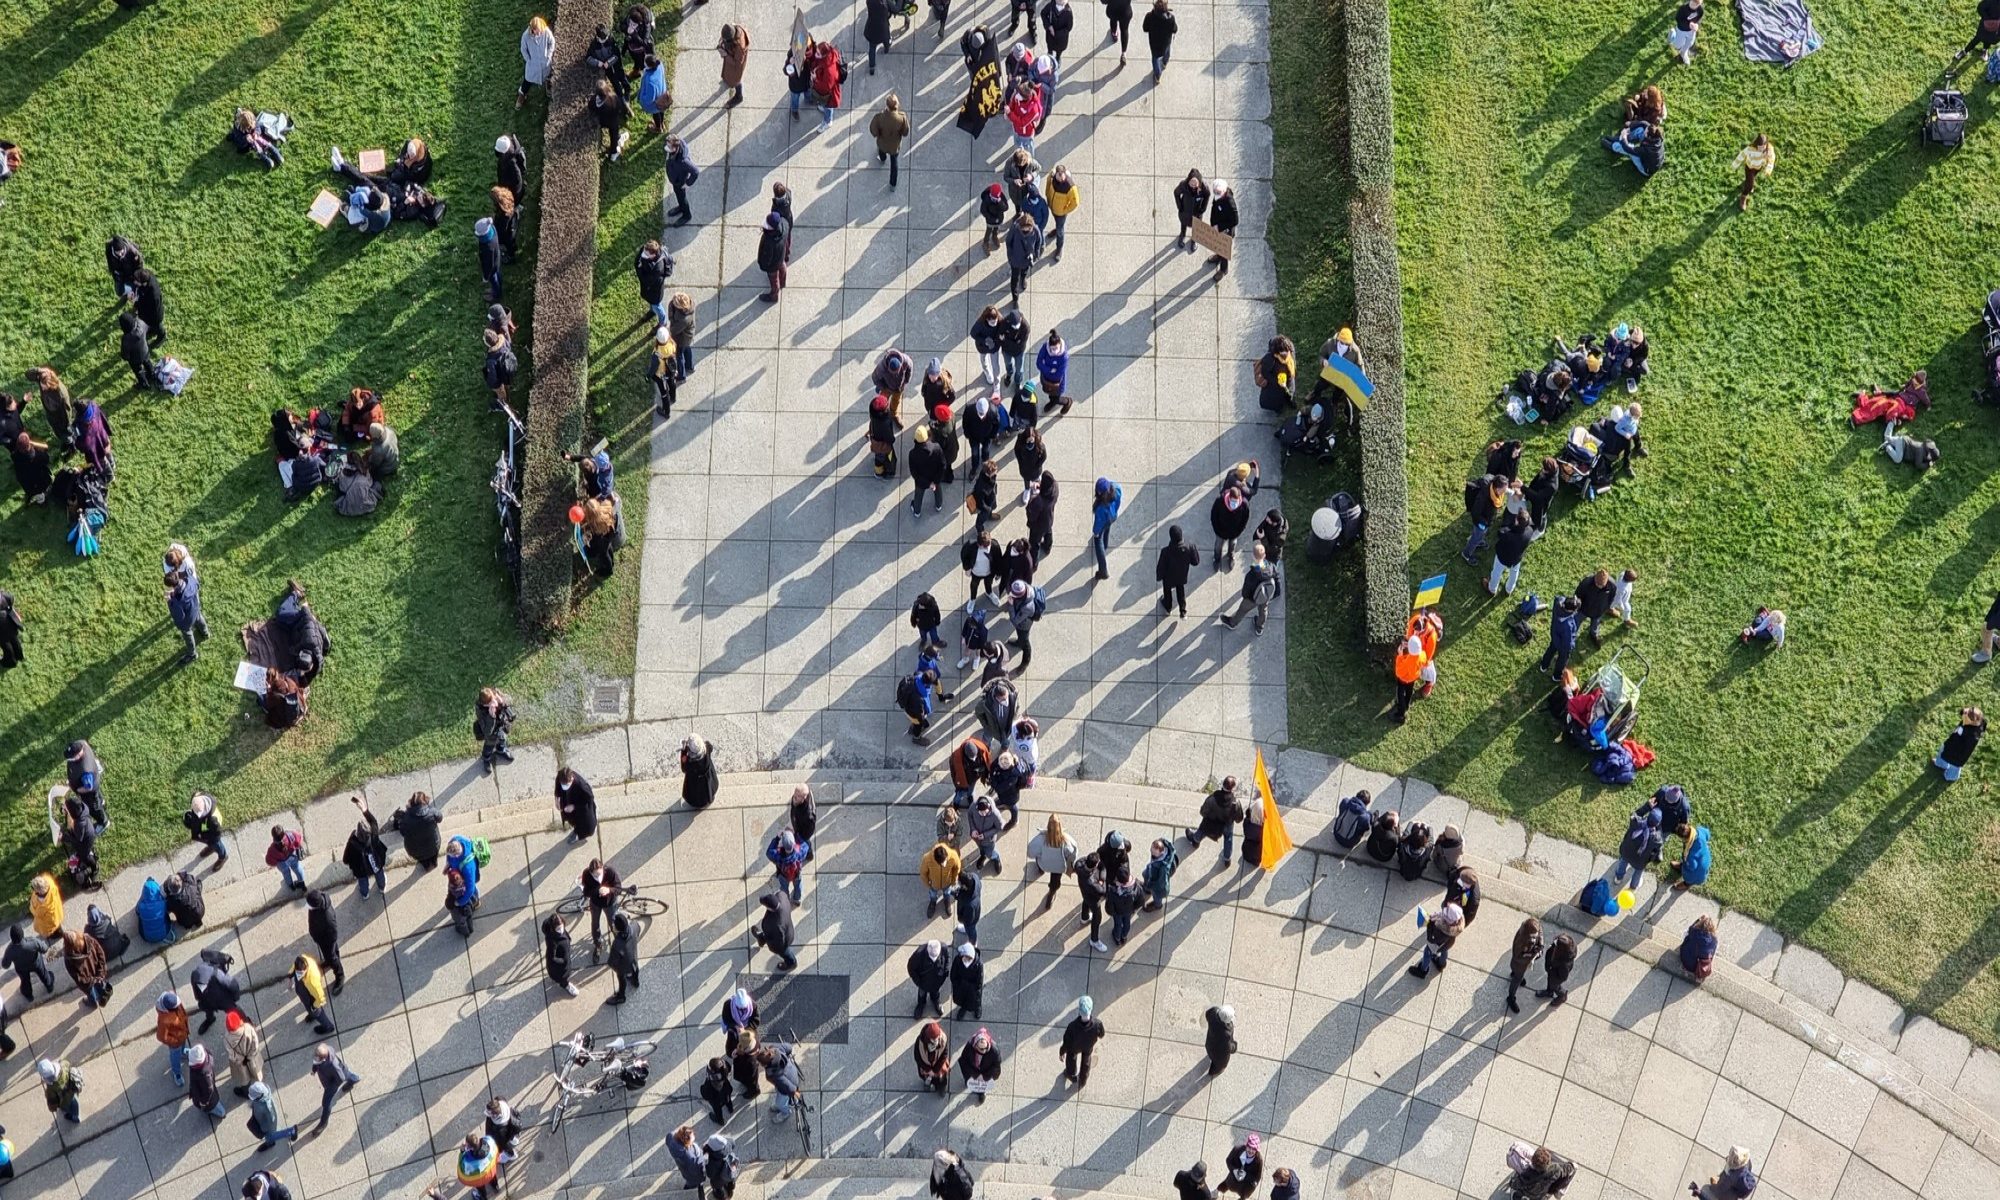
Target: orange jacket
{"type": "Point", "coordinates": [171, 1027]}
{"type": "Point", "coordinates": [1408, 665]}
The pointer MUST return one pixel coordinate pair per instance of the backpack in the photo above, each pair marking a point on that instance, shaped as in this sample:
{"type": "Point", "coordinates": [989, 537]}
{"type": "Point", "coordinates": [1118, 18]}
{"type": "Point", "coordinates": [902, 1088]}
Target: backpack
{"type": "Point", "coordinates": [1041, 602]}
{"type": "Point", "coordinates": [1172, 861]}
{"type": "Point", "coordinates": [1520, 632]}
{"type": "Point", "coordinates": [907, 697]}
{"type": "Point", "coordinates": [1992, 74]}
{"type": "Point", "coordinates": [1520, 1157]}
{"type": "Point", "coordinates": [1597, 900]}
{"type": "Point", "coordinates": [1353, 822]}
{"type": "Point", "coordinates": [482, 851]}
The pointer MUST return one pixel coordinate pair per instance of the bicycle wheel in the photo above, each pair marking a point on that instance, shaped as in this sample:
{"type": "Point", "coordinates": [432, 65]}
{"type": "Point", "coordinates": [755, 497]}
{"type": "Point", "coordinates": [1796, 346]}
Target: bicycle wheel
{"type": "Point", "coordinates": [643, 906]}
{"type": "Point", "coordinates": [805, 1127]}
{"type": "Point", "coordinates": [572, 907]}
{"type": "Point", "coordinates": [641, 1049]}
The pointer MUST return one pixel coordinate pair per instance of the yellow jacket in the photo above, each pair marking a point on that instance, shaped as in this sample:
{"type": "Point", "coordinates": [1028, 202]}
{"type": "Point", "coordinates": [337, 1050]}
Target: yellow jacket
{"type": "Point", "coordinates": [312, 987]}
{"type": "Point", "coordinates": [48, 913]}
{"type": "Point", "coordinates": [940, 875]}
{"type": "Point", "coordinates": [1062, 204]}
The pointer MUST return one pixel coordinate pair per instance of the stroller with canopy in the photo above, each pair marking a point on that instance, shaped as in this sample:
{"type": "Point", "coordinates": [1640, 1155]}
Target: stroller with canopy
{"type": "Point", "coordinates": [1577, 460]}
{"type": "Point", "coordinates": [1602, 713]}
{"type": "Point", "coordinates": [1944, 120]}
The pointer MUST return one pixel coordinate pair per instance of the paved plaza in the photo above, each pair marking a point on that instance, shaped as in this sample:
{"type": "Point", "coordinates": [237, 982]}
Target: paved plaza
{"type": "Point", "coordinates": [777, 574]}
{"type": "Point", "coordinates": [778, 571]}
{"type": "Point", "coordinates": [1367, 1083]}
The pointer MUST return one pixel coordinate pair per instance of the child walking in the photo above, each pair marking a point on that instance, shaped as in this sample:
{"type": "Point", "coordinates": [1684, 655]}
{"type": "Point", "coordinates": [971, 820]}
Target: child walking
{"type": "Point", "coordinates": [1621, 598]}
{"type": "Point", "coordinates": [1757, 160]}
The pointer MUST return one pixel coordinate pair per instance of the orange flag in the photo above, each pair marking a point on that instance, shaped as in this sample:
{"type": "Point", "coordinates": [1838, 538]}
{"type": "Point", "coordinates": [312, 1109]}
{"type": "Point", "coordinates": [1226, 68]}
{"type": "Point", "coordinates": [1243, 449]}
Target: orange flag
{"type": "Point", "coordinates": [1277, 842]}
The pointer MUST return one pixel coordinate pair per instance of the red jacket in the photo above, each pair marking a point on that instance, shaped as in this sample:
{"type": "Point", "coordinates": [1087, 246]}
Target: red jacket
{"type": "Point", "coordinates": [1024, 111]}
{"type": "Point", "coordinates": [826, 74]}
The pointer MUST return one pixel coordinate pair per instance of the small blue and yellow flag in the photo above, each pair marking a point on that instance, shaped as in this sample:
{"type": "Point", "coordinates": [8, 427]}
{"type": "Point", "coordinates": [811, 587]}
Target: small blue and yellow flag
{"type": "Point", "coordinates": [1349, 378]}
{"type": "Point", "coordinates": [1429, 592]}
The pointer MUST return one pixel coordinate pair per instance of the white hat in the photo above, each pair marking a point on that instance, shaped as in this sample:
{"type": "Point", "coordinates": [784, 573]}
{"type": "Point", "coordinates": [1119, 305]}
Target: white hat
{"type": "Point", "coordinates": [501, 145]}
{"type": "Point", "coordinates": [662, 335]}
{"type": "Point", "coordinates": [967, 951]}
{"type": "Point", "coordinates": [1218, 186]}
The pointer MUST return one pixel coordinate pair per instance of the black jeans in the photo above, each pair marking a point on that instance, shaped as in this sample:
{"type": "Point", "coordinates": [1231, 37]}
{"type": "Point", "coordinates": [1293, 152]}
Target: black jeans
{"type": "Point", "coordinates": [1020, 641]}
{"type": "Point", "coordinates": [891, 158]}
{"type": "Point", "coordinates": [1040, 542]}
{"type": "Point", "coordinates": [1174, 596]}
{"type": "Point", "coordinates": [1076, 1066]}
{"type": "Point", "coordinates": [39, 971]}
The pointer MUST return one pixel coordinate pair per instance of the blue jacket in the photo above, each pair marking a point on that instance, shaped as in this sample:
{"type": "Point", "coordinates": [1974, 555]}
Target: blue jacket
{"type": "Point", "coordinates": [184, 605]}
{"type": "Point", "coordinates": [1053, 367]}
{"type": "Point", "coordinates": [1104, 512]}
{"type": "Point", "coordinates": [1562, 629]}
{"type": "Point", "coordinates": [458, 856]}
{"type": "Point", "coordinates": [653, 89]}
{"type": "Point", "coordinates": [692, 1160]}
{"type": "Point", "coordinates": [1696, 862]}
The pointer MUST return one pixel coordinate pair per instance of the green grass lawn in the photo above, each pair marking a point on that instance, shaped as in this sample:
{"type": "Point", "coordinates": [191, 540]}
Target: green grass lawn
{"type": "Point", "coordinates": [1864, 257]}
{"type": "Point", "coordinates": [122, 116]}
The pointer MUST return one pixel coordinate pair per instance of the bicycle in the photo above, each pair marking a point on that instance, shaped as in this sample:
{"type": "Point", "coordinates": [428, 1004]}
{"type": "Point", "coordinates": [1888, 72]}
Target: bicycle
{"type": "Point", "coordinates": [619, 1064]}
{"type": "Point", "coordinates": [801, 1108]}
{"type": "Point", "coordinates": [628, 901]}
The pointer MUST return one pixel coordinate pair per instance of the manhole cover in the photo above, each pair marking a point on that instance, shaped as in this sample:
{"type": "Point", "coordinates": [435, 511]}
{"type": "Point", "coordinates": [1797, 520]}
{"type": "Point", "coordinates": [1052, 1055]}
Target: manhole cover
{"type": "Point", "coordinates": [608, 700]}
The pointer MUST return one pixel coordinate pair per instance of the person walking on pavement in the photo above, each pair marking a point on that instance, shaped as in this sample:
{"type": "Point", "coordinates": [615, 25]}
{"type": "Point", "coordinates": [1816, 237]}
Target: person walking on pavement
{"type": "Point", "coordinates": [1229, 516]}
{"type": "Point", "coordinates": [1564, 619]}
{"type": "Point", "coordinates": [1642, 847]}
{"type": "Point", "coordinates": [202, 1090]}
{"type": "Point", "coordinates": [949, 1178]}
{"type": "Point", "coordinates": [1160, 28]}
{"type": "Point", "coordinates": [1177, 558]}
{"type": "Point", "coordinates": [940, 871]}
{"type": "Point", "coordinates": [681, 175]}
{"type": "Point", "coordinates": [1024, 250]}
{"type": "Point", "coordinates": [788, 854]}
{"type": "Point", "coordinates": [1221, 1039]}
{"type": "Point", "coordinates": [1053, 852]}
{"type": "Point", "coordinates": [1260, 587]}
{"type": "Point", "coordinates": [1079, 1043]}
{"type": "Point", "coordinates": [245, 1044]}
{"type": "Point", "coordinates": [265, 1122]}
{"type": "Point", "coordinates": [734, 47]}
{"type": "Point", "coordinates": [1440, 933]}
{"type": "Point", "coordinates": [204, 825]}
{"type": "Point", "coordinates": [1558, 962]}
{"type": "Point", "coordinates": [1106, 500]}
{"type": "Point", "coordinates": [1090, 883]}
{"type": "Point", "coordinates": [624, 957]}
{"type": "Point", "coordinates": [576, 804]}
{"type": "Point", "coordinates": [774, 929]}
{"type": "Point", "coordinates": [1192, 1183]}
{"type": "Point", "coordinates": [310, 987]}
{"type": "Point", "coordinates": [170, 1029]}
{"type": "Point", "coordinates": [1221, 813]}
{"type": "Point", "coordinates": [83, 958]}
{"type": "Point", "coordinates": [1527, 948]}
{"type": "Point", "coordinates": [970, 905]}
{"type": "Point", "coordinates": [929, 472]}
{"type": "Point", "coordinates": [1119, 13]}
{"type": "Point", "coordinates": [1222, 215]}
{"type": "Point", "coordinates": [28, 956]}
{"type": "Point", "coordinates": [491, 721]}
{"type": "Point", "coordinates": [930, 970]}
{"type": "Point", "coordinates": [324, 929]}
{"type": "Point", "coordinates": [334, 1076]}
{"type": "Point", "coordinates": [1057, 22]}
{"type": "Point", "coordinates": [723, 1166]}
{"type": "Point", "coordinates": [62, 1088]}
{"type": "Point", "coordinates": [555, 952]}
{"type": "Point", "coordinates": [1158, 873]}
{"type": "Point", "coordinates": [771, 256]}
{"type": "Point", "coordinates": [1190, 203]}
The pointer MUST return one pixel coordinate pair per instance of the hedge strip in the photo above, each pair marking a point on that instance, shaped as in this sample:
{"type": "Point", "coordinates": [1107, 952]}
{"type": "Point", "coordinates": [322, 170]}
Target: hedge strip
{"type": "Point", "coordinates": [1378, 318]}
{"type": "Point", "coordinates": [560, 332]}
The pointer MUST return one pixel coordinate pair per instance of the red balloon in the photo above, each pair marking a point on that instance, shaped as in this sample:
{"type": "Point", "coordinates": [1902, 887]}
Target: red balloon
{"type": "Point", "coordinates": [576, 514]}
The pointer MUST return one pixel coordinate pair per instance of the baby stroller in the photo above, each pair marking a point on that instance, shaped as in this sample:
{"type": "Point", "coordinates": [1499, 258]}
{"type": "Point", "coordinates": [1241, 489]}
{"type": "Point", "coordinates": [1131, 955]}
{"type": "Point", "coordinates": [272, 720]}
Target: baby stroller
{"type": "Point", "coordinates": [1605, 710]}
{"type": "Point", "coordinates": [1577, 460]}
{"type": "Point", "coordinates": [1307, 432]}
{"type": "Point", "coordinates": [1944, 121]}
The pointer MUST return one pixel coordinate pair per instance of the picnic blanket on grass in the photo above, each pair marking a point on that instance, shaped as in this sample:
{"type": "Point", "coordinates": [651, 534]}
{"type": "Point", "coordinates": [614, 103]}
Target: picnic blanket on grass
{"type": "Point", "coordinates": [1777, 31]}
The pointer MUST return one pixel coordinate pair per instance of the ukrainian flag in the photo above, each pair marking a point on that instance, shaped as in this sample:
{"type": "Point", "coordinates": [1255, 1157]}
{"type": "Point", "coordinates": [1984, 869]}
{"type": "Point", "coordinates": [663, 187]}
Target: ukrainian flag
{"type": "Point", "coordinates": [1349, 378]}
{"type": "Point", "coordinates": [1429, 592]}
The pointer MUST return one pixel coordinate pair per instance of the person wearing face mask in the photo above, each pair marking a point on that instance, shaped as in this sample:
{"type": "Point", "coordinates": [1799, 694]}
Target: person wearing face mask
{"type": "Point", "coordinates": [1229, 517]}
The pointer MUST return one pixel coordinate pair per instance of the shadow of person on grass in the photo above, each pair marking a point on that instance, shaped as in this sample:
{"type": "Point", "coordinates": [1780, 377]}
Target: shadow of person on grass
{"type": "Point", "coordinates": [1886, 743]}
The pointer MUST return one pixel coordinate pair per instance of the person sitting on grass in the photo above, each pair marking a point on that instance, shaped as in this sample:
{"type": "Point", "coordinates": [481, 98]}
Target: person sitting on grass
{"type": "Point", "coordinates": [1642, 143]}
{"type": "Point", "coordinates": [364, 408]}
{"type": "Point", "coordinates": [249, 138]}
{"type": "Point", "coordinates": [1872, 403]}
{"type": "Point", "coordinates": [1768, 626]}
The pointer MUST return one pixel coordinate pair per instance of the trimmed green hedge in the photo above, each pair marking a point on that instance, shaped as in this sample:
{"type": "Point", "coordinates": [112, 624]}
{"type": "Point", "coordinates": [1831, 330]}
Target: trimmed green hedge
{"type": "Point", "coordinates": [1378, 318]}
{"type": "Point", "coordinates": [560, 332]}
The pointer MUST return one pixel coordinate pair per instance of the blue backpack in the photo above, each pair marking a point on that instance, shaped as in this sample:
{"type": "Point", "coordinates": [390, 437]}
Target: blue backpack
{"type": "Point", "coordinates": [1597, 899]}
{"type": "Point", "coordinates": [1993, 66]}
{"type": "Point", "coordinates": [1613, 765]}
{"type": "Point", "coordinates": [152, 910]}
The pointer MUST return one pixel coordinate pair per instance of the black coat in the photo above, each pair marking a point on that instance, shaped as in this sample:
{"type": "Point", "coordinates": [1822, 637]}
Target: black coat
{"type": "Point", "coordinates": [361, 845]}
{"type": "Point", "coordinates": [321, 926]}
{"type": "Point", "coordinates": [1191, 201]}
{"type": "Point", "coordinates": [771, 250]}
{"type": "Point", "coordinates": [1596, 600]}
{"type": "Point", "coordinates": [1014, 334]}
{"type": "Point", "coordinates": [579, 806]}
{"type": "Point", "coordinates": [700, 781]}
{"type": "Point", "coordinates": [968, 984]}
{"type": "Point", "coordinates": [419, 827]}
{"type": "Point", "coordinates": [1228, 524]}
{"type": "Point", "coordinates": [1559, 960]}
{"type": "Point", "coordinates": [150, 303]}
{"type": "Point", "coordinates": [122, 259]}
{"type": "Point", "coordinates": [978, 428]}
{"type": "Point", "coordinates": [1160, 29]}
{"type": "Point", "coordinates": [555, 951]}
{"type": "Point", "coordinates": [624, 957]}
{"type": "Point", "coordinates": [875, 26]}
{"type": "Point", "coordinates": [927, 464]}
{"type": "Point", "coordinates": [1177, 558]}
{"type": "Point", "coordinates": [1057, 22]}
{"type": "Point", "coordinates": [186, 908]}
{"type": "Point", "coordinates": [955, 1185]}
{"type": "Point", "coordinates": [652, 271]}
{"type": "Point", "coordinates": [511, 172]}
{"type": "Point", "coordinates": [985, 336]}
{"type": "Point", "coordinates": [1512, 545]}
{"type": "Point", "coordinates": [1031, 457]}
{"type": "Point", "coordinates": [215, 989]}
{"type": "Point", "coordinates": [927, 973]}
{"type": "Point", "coordinates": [776, 923]}
{"type": "Point", "coordinates": [1221, 1040]}
{"type": "Point", "coordinates": [1959, 746]}
{"type": "Point", "coordinates": [1222, 214]}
